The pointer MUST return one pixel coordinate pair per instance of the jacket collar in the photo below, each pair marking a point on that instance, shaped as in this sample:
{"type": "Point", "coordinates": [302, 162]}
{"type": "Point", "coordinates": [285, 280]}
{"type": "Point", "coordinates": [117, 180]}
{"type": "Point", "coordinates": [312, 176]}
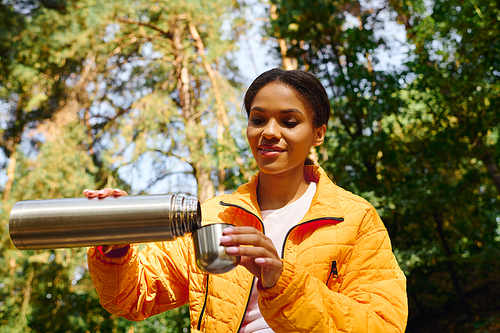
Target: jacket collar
{"type": "Point", "coordinates": [325, 202]}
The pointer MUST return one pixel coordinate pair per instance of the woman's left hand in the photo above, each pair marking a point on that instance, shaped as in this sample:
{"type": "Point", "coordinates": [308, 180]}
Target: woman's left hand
{"type": "Point", "coordinates": [258, 254]}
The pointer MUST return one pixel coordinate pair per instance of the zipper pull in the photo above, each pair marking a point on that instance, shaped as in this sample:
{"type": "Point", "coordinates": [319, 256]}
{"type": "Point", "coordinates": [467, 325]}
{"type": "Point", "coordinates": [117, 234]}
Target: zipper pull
{"type": "Point", "coordinates": [333, 272]}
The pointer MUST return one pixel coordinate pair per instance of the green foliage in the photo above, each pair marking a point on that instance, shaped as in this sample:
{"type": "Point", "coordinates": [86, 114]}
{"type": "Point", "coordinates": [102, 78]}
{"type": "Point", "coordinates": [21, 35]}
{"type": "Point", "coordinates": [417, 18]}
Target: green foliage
{"type": "Point", "coordinates": [456, 153]}
{"type": "Point", "coordinates": [40, 46]}
{"type": "Point", "coordinates": [62, 168]}
{"type": "Point", "coordinates": [419, 142]}
{"type": "Point", "coordinates": [41, 287]}
{"type": "Point", "coordinates": [86, 88]}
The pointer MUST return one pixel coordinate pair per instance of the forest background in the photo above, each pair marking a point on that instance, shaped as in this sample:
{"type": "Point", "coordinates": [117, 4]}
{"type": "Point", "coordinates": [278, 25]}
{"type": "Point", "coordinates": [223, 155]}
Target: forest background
{"type": "Point", "coordinates": [147, 96]}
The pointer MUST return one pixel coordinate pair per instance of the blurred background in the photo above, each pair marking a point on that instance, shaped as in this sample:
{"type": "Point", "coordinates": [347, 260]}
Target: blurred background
{"type": "Point", "coordinates": [147, 96]}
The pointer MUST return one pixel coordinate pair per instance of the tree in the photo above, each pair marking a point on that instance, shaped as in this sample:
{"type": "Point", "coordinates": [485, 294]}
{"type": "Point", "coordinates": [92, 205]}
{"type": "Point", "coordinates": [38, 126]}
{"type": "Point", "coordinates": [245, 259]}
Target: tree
{"type": "Point", "coordinates": [420, 142]}
{"type": "Point", "coordinates": [43, 141]}
{"type": "Point", "coordinates": [87, 88]}
{"type": "Point", "coordinates": [456, 58]}
{"type": "Point", "coordinates": [457, 88]}
{"type": "Point", "coordinates": [173, 60]}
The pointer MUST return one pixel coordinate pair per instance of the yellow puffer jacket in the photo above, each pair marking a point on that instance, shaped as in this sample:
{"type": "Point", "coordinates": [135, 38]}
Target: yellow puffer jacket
{"type": "Point", "coordinates": [339, 271]}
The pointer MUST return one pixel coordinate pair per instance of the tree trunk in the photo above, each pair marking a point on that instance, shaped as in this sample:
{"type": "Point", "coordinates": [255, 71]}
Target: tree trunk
{"type": "Point", "coordinates": [206, 188]}
{"type": "Point", "coordinates": [11, 172]}
{"type": "Point", "coordinates": [222, 120]}
{"type": "Point", "coordinates": [187, 100]}
{"type": "Point", "coordinates": [288, 63]}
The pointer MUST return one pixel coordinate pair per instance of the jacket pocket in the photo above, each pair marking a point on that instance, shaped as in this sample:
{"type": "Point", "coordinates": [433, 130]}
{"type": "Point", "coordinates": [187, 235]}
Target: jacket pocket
{"type": "Point", "coordinates": [333, 273]}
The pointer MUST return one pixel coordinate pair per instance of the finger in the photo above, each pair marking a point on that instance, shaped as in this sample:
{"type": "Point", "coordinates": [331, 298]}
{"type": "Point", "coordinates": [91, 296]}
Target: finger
{"type": "Point", "coordinates": [271, 275]}
{"type": "Point", "coordinates": [90, 193]}
{"type": "Point", "coordinates": [109, 248]}
{"type": "Point", "coordinates": [243, 236]}
{"type": "Point", "coordinates": [268, 262]}
{"type": "Point", "coordinates": [117, 192]}
{"type": "Point", "coordinates": [105, 192]}
{"type": "Point", "coordinates": [106, 248]}
{"type": "Point", "coordinates": [240, 230]}
{"type": "Point", "coordinates": [257, 240]}
{"type": "Point", "coordinates": [252, 252]}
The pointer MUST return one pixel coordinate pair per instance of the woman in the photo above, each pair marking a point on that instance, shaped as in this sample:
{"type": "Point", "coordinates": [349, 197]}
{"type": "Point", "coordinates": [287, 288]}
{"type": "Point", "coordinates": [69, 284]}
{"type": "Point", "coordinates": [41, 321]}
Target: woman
{"type": "Point", "coordinates": [315, 258]}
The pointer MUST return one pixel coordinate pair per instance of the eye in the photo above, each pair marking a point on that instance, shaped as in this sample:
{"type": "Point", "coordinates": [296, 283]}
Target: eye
{"type": "Point", "coordinates": [290, 123]}
{"type": "Point", "coordinates": [256, 121]}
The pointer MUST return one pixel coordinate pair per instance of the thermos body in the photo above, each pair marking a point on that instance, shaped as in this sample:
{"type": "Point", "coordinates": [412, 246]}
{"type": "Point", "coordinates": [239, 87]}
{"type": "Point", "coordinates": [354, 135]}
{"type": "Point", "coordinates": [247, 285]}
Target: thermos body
{"type": "Point", "coordinates": [80, 222]}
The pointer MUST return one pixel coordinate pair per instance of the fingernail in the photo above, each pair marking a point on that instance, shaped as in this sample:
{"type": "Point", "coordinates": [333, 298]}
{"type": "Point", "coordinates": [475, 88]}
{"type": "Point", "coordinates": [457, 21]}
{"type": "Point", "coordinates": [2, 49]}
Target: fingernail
{"type": "Point", "coordinates": [225, 239]}
{"type": "Point", "coordinates": [101, 192]}
{"type": "Point", "coordinates": [116, 190]}
{"type": "Point", "coordinates": [228, 230]}
{"type": "Point", "coordinates": [232, 250]}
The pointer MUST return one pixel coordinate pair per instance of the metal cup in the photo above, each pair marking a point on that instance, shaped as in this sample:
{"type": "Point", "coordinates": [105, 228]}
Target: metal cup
{"type": "Point", "coordinates": [211, 257]}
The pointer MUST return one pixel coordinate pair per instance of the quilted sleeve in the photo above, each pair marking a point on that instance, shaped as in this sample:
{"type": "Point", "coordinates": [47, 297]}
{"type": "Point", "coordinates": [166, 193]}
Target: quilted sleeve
{"type": "Point", "coordinates": [139, 285]}
{"type": "Point", "coordinates": [372, 297]}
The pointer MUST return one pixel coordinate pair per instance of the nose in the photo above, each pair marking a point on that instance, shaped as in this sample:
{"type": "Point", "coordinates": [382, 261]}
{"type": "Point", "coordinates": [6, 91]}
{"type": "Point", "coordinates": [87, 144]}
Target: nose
{"type": "Point", "coordinates": [272, 130]}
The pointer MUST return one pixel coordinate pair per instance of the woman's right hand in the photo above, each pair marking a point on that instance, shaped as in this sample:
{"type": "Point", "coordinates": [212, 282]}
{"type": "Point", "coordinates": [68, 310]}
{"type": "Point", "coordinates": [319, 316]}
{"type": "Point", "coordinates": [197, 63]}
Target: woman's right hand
{"type": "Point", "coordinates": [106, 192]}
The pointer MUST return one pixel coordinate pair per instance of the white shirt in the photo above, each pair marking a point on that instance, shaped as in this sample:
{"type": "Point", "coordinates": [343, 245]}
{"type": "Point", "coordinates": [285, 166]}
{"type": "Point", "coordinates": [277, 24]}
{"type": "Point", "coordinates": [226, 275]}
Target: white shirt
{"type": "Point", "coordinates": [276, 225]}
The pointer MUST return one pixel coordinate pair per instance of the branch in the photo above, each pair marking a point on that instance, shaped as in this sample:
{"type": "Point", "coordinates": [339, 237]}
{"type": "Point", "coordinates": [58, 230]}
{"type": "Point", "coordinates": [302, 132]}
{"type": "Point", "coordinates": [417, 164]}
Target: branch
{"type": "Point", "coordinates": [110, 122]}
{"type": "Point", "coordinates": [167, 34]}
{"type": "Point", "coordinates": [343, 119]}
{"type": "Point", "coordinates": [165, 175]}
{"type": "Point", "coordinates": [201, 50]}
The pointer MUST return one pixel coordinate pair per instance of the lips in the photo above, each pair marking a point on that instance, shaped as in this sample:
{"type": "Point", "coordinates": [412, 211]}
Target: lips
{"type": "Point", "coordinates": [270, 151]}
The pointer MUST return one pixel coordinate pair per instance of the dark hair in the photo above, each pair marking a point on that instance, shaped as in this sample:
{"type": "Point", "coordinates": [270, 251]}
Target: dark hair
{"type": "Point", "coordinates": [307, 86]}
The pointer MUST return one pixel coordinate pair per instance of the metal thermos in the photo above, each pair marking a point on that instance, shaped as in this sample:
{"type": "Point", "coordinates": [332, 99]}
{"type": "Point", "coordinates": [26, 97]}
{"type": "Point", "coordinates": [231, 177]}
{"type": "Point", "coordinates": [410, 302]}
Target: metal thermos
{"type": "Point", "coordinates": [81, 222]}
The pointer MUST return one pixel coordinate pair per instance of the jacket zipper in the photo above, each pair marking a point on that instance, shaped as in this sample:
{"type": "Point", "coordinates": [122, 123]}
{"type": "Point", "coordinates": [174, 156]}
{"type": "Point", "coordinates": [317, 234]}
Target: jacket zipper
{"type": "Point", "coordinates": [336, 219]}
{"type": "Point", "coordinates": [204, 304]}
{"type": "Point", "coordinates": [245, 210]}
{"type": "Point", "coordinates": [248, 302]}
{"type": "Point", "coordinates": [253, 279]}
{"type": "Point", "coordinates": [333, 272]}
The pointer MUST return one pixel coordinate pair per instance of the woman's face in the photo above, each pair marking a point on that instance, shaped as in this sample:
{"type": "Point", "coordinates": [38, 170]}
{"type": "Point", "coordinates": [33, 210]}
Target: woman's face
{"type": "Point", "coordinates": [280, 130]}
